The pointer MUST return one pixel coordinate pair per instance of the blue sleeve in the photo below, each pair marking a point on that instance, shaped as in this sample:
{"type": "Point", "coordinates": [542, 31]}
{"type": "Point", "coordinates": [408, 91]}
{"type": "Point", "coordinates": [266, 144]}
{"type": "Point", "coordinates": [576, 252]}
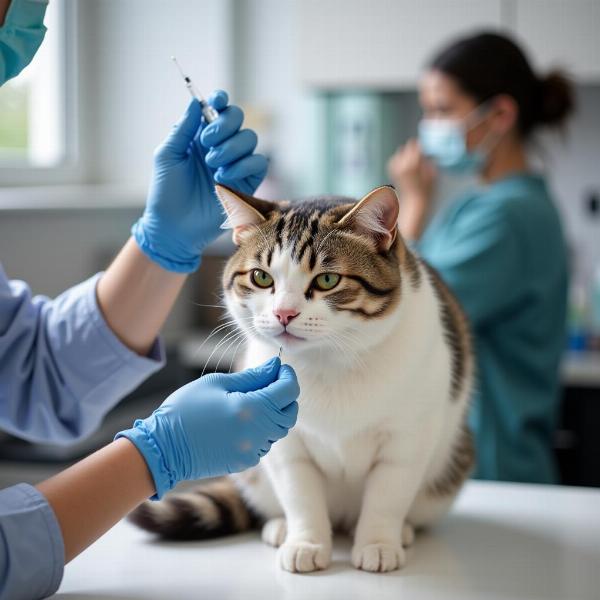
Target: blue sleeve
{"type": "Point", "coordinates": [31, 545]}
{"type": "Point", "coordinates": [61, 367]}
{"type": "Point", "coordinates": [481, 262]}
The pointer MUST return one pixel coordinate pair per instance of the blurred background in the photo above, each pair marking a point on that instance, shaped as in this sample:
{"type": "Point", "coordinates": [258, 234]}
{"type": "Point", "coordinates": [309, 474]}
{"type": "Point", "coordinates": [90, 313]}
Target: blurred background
{"type": "Point", "coordinates": [330, 87]}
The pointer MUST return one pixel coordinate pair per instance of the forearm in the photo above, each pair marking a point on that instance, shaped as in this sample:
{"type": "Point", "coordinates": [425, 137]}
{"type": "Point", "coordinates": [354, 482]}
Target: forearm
{"type": "Point", "coordinates": [135, 296]}
{"type": "Point", "coordinates": [413, 215]}
{"type": "Point", "coordinates": [94, 494]}
{"type": "Point", "coordinates": [412, 218]}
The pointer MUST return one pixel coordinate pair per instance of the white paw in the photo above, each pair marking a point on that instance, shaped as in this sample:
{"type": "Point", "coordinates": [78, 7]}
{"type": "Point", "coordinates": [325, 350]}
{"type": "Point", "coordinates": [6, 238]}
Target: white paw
{"type": "Point", "coordinates": [408, 535]}
{"type": "Point", "coordinates": [274, 532]}
{"type": "Point", "coordinates": [304, 557]}
{"type": "Point", "coordinates": [378, 558]}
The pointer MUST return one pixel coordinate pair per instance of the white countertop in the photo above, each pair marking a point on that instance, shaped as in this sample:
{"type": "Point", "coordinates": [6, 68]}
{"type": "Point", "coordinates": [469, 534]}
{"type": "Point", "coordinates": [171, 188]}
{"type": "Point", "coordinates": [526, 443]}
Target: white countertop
{"type": "Point", "coordinates": [500, 541]}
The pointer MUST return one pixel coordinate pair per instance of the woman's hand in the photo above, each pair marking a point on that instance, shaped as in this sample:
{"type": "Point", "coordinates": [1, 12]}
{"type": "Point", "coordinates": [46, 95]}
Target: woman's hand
{"type": "Point", "coordinates": [182, 214]}
{"type": "Point", "coordinates": [411, 171]}
{"type": "Point", "coordinates": [218, 424]}
{"type": "Point", "coordinates": [415, 176]}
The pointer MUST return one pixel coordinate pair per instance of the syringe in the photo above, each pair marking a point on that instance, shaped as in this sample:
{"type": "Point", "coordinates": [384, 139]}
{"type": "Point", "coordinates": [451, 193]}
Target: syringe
{"type": "Point", "coordinates": [209, 113]}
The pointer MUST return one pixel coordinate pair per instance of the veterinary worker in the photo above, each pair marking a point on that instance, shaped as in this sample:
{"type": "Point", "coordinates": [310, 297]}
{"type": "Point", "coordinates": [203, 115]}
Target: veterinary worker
{"type": "Point", "coordinates": [65, 363]}
{"type": "Point", "coordinates": [499, 246]}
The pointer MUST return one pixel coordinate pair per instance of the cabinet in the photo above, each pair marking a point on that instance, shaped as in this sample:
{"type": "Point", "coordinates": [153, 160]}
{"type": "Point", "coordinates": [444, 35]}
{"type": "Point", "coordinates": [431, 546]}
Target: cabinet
{"type": "Point", "coordinates": [384, 44]}
{"type": "Point", "coordinates": [563, 33]}
{"type": "Point", "coordinates": [380, 44]}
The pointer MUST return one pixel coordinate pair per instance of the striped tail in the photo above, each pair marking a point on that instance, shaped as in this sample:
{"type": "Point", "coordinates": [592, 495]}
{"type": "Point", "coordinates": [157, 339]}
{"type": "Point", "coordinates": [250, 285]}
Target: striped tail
{"type": "Point", "coordinates": [212, 510]}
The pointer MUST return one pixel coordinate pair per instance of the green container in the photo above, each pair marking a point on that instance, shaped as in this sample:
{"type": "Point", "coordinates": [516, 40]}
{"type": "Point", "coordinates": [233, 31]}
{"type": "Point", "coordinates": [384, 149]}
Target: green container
{"type": "Point", "coordinates": [353, 136]}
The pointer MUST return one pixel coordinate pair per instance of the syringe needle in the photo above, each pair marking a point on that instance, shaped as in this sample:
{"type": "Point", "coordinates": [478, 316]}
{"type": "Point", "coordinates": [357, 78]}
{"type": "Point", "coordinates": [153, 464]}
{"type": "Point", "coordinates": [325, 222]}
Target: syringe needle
{"type": "Point", "coordinates": [209, 112]}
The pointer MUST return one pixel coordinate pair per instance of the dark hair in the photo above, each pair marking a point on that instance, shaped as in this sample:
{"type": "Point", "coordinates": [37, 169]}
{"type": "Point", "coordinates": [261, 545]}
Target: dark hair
{"type": "Point", "coordinates": [488, 64]}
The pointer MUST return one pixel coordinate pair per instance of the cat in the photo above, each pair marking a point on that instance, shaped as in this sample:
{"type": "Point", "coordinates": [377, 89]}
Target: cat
{"type": "Point", "coordinates": [384, 359]}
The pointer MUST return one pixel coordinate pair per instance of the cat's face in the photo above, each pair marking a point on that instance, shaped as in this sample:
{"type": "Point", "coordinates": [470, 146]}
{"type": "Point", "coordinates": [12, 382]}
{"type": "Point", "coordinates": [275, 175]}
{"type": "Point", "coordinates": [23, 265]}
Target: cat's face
{"type": "Point", "coordinates": [316, 275]}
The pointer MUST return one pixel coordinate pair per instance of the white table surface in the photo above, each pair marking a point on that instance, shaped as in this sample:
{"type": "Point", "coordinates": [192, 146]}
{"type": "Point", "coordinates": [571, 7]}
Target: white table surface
{"type": "Point", "coordinates": [500, 541]}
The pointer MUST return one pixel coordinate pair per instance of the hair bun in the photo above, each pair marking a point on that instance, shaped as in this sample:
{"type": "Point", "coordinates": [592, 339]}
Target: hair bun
{"type": "Point", "coordinates": [557, 99]}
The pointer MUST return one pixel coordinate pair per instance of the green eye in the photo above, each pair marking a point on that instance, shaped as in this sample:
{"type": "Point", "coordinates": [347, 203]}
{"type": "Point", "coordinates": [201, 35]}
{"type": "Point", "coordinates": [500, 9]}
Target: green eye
{"type": "Point", "coordinates": [326, 281]}
{"type": "Point", "coordinates": [261, 278]}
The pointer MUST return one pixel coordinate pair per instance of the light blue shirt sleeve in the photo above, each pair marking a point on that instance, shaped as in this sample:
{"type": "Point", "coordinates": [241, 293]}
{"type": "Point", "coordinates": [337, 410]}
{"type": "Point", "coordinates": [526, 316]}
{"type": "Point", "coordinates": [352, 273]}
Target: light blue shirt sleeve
{"type": "Point", "coordinates": [31, 545]}
{"type": "Point", "coordinates": [61, 367]}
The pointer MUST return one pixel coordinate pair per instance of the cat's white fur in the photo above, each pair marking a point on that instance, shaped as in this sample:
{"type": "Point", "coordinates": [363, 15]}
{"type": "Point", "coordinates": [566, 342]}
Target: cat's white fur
{"type": "Point", "coordinates": [376, 422]}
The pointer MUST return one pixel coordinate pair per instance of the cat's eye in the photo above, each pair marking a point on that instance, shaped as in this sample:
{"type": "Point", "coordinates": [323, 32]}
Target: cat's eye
{"type": "Point", "coordinates": [326, 281]}
{"type": "Point", "coordinates": [261, 278]}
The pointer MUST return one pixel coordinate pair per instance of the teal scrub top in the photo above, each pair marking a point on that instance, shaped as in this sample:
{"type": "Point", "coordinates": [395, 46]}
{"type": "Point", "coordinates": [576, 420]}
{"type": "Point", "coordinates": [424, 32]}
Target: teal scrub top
{"type": "Point", "coordinates": [501, 250]}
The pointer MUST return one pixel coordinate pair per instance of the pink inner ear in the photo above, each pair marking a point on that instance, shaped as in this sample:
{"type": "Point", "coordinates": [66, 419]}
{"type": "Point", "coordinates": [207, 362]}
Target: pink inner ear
{"type": "Point", "coordinates": [240, 215]}
{"type": "Point", "coordinates": [377, 215]}
{"type": "Point", "coordinates": [238, 233]}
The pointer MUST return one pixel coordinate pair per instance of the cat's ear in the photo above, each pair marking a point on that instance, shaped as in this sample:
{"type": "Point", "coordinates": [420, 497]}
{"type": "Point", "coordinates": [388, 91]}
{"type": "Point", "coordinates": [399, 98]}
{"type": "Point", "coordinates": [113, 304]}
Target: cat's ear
{"type": "Point", "coordinates": [243, 211]}
{"type": "Point", "coordinates": [376, 215]}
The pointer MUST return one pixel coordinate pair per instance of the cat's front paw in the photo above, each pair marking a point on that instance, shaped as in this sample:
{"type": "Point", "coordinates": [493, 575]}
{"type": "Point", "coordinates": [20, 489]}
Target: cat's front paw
{"type": "Point", "coordinates": [274, 532]}
{"type": "Point", "coordinates": [304, 557]}
{"type": "Point", "coordinates": [378, 558]}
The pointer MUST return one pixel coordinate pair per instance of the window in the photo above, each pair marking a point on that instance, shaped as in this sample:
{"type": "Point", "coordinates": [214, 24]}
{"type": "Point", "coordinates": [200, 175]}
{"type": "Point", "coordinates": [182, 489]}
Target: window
{"type": "Point", "coordinates": [36, 107]}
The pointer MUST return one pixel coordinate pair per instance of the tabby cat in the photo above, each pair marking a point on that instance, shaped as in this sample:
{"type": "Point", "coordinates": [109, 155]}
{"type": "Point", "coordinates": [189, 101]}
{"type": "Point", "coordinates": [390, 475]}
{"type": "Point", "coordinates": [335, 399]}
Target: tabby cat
{"type": "Point", "coordinates": [384, 360]}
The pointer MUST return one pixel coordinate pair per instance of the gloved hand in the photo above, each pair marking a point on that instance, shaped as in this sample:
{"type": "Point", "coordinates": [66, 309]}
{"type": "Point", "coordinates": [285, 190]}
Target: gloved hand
{"type": "Point", "coordinates": [217, 424]}
{"type": "Point", "coordinates": [182, 213]}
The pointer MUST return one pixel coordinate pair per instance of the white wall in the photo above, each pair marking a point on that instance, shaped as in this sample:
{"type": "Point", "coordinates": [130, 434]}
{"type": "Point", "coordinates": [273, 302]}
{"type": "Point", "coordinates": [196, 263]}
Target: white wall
{"type": "Point", "coordinates": [573, 166]}
{"type": "Point", "coordinates": [134, 91]}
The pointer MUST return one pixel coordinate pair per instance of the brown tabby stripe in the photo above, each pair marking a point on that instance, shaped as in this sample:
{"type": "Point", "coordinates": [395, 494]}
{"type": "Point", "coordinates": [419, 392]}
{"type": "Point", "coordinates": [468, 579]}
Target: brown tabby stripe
{"type": "Point", "coordinates": [244, 290]}
{"type": "Point", "coordinates": [460, 464]}
{"type": "Point", "coordinates": [371, 289]}
{"type": "Point", "coordinates": [345, 296]}
{"type": "Point", "coordinates": [178, 516]}
{"type": "Point", "coordinates": [411, 264]}
{"type": "Point", "coordinates": [224, 490]}
{"type": "Point", "coordinates": [456, 331]}
{"type": "Point", "coordinates": [364, 313]}
{"type": "Point", "coordinates": [233, 276]}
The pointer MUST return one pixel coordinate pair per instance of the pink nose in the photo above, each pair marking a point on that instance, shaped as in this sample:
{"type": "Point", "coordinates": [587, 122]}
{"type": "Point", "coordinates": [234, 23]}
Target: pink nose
{"type": "Point", "coordinates": [285, 315]}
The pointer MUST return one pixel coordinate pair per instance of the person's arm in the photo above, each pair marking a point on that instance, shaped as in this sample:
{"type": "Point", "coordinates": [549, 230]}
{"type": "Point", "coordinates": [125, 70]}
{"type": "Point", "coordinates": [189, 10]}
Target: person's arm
{"type": "Point", "coordinates": [135, 296]}
{"type": "Point", "coordinates": [197, 432]}
{"type": "Point", "coordinates": [61, 366]}
{"type": "Point", "coordinates": [181, 218]}
{"type": "Point", "coordinates": [414, 176]}
{"type": "Point", "coordinates": [64, 363]}
{"type": "Point", "coordinates": [94, 494]}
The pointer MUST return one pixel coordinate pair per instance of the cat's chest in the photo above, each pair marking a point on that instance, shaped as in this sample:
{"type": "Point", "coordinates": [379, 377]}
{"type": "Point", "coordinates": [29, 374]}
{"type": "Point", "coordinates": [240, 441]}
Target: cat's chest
{"type": "Point", "coordinates": [343, 459]}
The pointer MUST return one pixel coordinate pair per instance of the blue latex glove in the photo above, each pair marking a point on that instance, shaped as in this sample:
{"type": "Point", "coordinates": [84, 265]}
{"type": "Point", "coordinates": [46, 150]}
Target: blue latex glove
{"type": "Point", "coordinates": [182, 212]}
{"type": "Point", "coordinates": [217, 424]}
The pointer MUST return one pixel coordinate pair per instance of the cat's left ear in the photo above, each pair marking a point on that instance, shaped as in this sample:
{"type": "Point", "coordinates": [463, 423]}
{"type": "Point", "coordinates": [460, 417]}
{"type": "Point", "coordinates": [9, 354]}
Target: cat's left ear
{"type": "Point", "coordinates": [243, 211]}
{"type": "Point", "coordinates": [376, 215]}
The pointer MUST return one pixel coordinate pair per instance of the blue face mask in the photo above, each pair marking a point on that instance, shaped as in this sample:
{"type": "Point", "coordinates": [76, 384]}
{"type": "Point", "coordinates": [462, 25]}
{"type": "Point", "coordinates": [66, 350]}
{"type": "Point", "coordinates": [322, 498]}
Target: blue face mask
{"type": "Point", "coordinates": [20, 36]}
{"type": "Point", "coordinates": [444, 141]}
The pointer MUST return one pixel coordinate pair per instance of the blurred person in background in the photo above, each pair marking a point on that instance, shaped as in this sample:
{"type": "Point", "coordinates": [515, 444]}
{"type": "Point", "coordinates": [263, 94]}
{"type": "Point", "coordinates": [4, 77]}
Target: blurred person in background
{"type": "Point", "coordinates": [499, 245]}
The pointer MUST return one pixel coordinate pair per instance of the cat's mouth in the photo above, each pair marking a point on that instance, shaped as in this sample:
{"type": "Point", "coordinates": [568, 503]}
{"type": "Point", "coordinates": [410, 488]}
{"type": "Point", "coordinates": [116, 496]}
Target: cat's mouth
{"type": "Point", "coordinates": [289, 337]}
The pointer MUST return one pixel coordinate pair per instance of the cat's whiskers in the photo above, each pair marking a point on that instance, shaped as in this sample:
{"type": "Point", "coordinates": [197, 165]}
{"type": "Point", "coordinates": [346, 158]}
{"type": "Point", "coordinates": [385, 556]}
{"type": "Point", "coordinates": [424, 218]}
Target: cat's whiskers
{"type": "Point", "coordinates": [208, 305]}
{"type": "Point", "coordinates": [352, 342]}
{"type": "Point", "coordinates": [226, 338]}
{"type": "Point", "coordinates": [226, 350]}
{"type": "Point", "coordinates": [235, 353]}
{"type": "Point", "coordinates": [231, 323]}
{"type": "Point", "coordinates": [217, 329]}
{"type": "Point", "coordinates": [350, 353]}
